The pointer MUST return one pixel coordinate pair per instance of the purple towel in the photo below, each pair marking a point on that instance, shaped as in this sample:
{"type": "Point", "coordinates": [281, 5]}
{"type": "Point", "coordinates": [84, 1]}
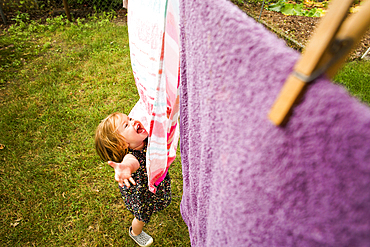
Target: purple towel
{"type": "Point", "coordinates": [246, 181]}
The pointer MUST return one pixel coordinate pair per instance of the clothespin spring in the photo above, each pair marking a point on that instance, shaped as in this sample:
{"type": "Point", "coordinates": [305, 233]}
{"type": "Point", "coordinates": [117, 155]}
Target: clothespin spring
{"type": "Point", "coordinates": [339, 48]}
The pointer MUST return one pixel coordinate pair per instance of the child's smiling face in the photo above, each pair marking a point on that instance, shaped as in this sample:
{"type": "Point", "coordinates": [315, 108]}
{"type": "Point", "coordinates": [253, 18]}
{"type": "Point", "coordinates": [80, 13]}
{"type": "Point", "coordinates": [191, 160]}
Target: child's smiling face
{"type": "Point", "coordinates": [133, 132]}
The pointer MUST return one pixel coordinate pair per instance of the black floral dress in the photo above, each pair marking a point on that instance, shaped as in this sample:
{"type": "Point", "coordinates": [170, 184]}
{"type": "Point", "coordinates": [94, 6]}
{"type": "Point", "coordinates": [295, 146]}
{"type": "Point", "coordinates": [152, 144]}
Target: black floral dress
{"type": "Point", "coordinates": [138, 199]}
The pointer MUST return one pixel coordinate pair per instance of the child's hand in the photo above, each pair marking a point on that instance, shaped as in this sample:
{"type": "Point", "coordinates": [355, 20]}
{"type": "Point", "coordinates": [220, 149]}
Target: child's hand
{"type": "Point", "coordinates": [123, 173]}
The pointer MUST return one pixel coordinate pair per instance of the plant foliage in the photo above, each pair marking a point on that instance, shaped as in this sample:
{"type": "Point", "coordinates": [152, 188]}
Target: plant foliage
{"type": "Point", "coordinates": [288, 8]}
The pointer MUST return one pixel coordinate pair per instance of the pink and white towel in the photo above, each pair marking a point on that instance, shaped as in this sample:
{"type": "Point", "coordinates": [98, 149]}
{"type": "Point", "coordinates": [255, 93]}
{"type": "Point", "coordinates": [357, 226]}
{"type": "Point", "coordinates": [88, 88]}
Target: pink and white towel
{"type": "Point", "coordinates": [154, 48]}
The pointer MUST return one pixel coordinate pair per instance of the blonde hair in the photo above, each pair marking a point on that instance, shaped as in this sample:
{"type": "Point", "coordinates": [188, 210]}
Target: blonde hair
{"type": "Point", "coordinates": [109, 144]}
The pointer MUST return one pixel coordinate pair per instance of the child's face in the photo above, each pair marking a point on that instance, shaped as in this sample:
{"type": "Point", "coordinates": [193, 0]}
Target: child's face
{"type": "Point", "coordinates": [133, 132]}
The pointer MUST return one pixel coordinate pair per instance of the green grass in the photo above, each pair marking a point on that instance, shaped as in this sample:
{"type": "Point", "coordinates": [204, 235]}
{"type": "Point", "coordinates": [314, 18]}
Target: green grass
{"type": "Point", "coordinates": [57, 81]}
{"type": "Point", "coordinates": [355, 76]}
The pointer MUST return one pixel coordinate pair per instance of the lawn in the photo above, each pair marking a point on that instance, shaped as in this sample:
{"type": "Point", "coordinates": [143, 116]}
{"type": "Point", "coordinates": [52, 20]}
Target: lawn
{"type": "Point", "coordinates": [355, 76]}
{"type": "Point", "coordinates": [57, 81]}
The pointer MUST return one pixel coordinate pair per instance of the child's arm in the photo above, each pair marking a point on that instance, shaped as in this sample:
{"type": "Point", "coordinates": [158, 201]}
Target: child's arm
{"type": "Point", "coordinates": [124, 170]}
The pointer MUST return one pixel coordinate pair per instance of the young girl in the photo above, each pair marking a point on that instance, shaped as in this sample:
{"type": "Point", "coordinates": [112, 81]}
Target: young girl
{"type": "Point", "coordinates": [122, 142]}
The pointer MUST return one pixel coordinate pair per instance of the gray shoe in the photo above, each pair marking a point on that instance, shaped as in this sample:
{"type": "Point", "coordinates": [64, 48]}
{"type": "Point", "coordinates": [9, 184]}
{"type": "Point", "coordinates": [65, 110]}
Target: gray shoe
{"type": "Point", "coordinates": [142, 239]}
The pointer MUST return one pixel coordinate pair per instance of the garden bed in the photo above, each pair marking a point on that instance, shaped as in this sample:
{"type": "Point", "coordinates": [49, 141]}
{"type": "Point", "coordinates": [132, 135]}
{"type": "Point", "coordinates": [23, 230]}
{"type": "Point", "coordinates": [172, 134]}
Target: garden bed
{"type": "Point", "coordinates": [297, 30]}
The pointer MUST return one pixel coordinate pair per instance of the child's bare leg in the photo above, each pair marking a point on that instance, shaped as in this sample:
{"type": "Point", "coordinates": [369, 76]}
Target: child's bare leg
{"type": "Point", "coordinates": [137, 226]}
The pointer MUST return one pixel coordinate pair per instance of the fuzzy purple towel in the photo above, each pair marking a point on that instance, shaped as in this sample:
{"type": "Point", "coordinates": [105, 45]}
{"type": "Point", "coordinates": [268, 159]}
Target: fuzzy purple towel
{"type": "Point", "coordinates": [246, 181]}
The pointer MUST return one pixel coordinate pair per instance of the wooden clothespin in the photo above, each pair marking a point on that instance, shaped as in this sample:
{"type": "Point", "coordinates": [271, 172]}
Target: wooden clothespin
{"type": "Point", "coordinates": [332, 41]}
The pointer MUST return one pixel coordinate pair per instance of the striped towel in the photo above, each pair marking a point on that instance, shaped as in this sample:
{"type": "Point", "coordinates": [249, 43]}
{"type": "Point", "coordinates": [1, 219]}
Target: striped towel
{"type": "Point", "coordinates": [154, 49]}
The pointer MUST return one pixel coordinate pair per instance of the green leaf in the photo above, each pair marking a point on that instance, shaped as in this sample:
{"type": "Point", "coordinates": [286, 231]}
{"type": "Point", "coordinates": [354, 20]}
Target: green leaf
{"type": "Point", "coordinates": [314, 13]}
{"type": "Point", "coordinates": [288, 9]}
{"type": "Point", "coordinates": [311, 13]}
{"type": "Point", "coordinates": [298, 8]}
{"type": "Point", "coordinates": [275, 7]}
{"type": "Point", "coordinates": [318, 12]}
